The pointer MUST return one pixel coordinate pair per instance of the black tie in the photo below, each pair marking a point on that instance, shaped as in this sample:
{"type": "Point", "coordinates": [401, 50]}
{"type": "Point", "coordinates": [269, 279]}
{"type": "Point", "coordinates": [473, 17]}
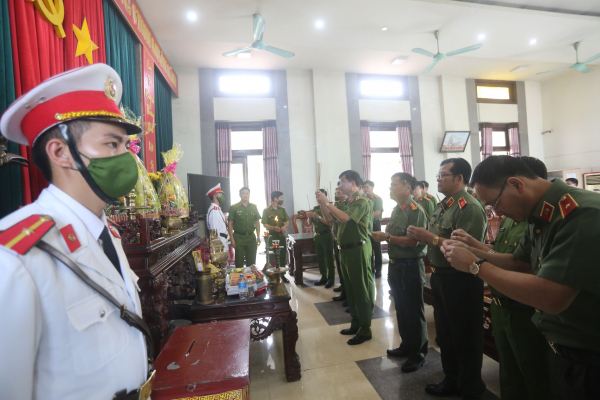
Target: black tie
{"type": "Point", "coordinates": [109, 249]}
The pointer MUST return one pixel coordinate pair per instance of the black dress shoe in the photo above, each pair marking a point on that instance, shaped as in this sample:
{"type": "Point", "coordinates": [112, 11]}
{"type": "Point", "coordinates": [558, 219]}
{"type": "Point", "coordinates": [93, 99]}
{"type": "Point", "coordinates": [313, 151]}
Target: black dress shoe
{"type": "Point", "coordinates": [328, 285]}
{"type": "Point", "coordinates": [339, 298]}
{"type": "Point", "coordinates": [345, 304]}
{"type": "Point", "coordinates": [338, 289]}
{"type": "Point", "coordinates": [284, 279]}
{"type": "Point", "coordinates": [442, 389]}
{"type": "Point", "coordinates": [347, 310]}
{"type": "Point", "coordinates": [358, 339]}
{"type": "Point", "coordinates": [397, 352]}
{"type": "Point", "coordinates": [412, 366]}
{"type": "Point", "coordinates": [321, 282]}
{"type": "Point", "coordinates": [378, 275]}
{"type": "Point", "coordinates": [349, 331]}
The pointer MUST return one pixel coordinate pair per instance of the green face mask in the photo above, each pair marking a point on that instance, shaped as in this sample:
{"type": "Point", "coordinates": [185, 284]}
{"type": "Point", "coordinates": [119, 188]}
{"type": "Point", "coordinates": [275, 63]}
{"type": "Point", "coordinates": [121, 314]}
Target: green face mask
{"type": "Point", "coordinates": [115, 176]}
{"type": "Point", "coordinates": [280, 202]}
{"type": "Point", "coordinates": [221, 199]}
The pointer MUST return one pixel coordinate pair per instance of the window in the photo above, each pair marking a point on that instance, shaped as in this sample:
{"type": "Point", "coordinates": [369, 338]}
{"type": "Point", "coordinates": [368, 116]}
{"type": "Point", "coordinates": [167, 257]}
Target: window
{"type": "Point", "coordinates": [244, 84]}
{"type": "Point", "coordinates": [247, 168]}
{"type": "Point", "coordinates": [502, 92]}
{"type": "Point", "coordinates": [500, 141]}
{"type": "Point", "coordinates": [385, 161]}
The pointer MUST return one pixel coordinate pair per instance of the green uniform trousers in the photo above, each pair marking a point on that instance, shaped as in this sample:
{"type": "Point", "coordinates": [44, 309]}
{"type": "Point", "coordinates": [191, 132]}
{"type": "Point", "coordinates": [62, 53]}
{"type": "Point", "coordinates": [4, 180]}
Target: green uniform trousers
{"type": "Point", "coordinates": [406, 278]}
{"type": "Point", "coordinates": [282, 247]}
{"type": "Point", "coordinates": [245, 248]}
{"type": "Point", "coordinates": [358, 283]}
{"type": "Point", "coordinates": [574, 375]}
{"type": "Point", "coordinates": [324, 249]}
{"type": "Point", "coordinates": [523, 354]}
{"type": "Point", "coordinates": [458, 318]}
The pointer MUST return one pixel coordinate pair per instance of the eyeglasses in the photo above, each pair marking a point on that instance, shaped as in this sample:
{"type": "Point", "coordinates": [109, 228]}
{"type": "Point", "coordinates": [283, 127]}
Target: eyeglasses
{"type": "Point", "coordinates": [495, 206]}
{"type": "Point", "coordinates": [442, 176]}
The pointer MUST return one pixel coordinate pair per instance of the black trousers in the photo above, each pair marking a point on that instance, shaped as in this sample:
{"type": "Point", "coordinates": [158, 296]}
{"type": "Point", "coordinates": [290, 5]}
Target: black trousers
{"type": "Point", "coordinates": [377, 261]}
{"type": "Point", "coordinates": [459, 326]}
{"type": "Point", "coordinates": [574, 375]}
{"type": "Point", "coordinates": [336, 253]}
{"type": "Point", "coordinates": [406, 278]}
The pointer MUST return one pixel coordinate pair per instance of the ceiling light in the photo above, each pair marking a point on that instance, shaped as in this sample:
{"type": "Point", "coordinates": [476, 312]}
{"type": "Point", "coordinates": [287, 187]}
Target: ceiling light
{"type": "Point", "coordinates": [481, 37]}
{"type": "Point", "coordinates": [385, 28]}
{"type": "Point", "coordinates": [519, 69]}
{"type": "Point", "coordinates": [533, 41]}
{"type": "Point", "coordinates": [192, 16]}
{"type": "Point", "coordinates": [245, 55]}
{"type": "Point", "coordinates": [319, 24]}
{"type": "Point", "coordinates": [399, 60]}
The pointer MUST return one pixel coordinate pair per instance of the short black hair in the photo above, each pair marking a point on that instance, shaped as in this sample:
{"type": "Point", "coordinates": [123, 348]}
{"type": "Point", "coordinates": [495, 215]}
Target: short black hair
{"type": "Point", "coordinates": [406, 178]}
{"type": "Point", "coordinates": [536, 165]}
{"type": "Point", "coordinates": [418, 184]}
{"type": "Point", "coordinates": [38, 151]}
{"type": "Point", "coordinates": [352, 176]}
{"type": "Point", "coordinates": [553, 180]}
{"type": "Point", "coordinates": [425, 184]}
{"type": "Point", "coordinates": [575, 181]}
{"type": "Point", "coordinates": [244, 188]}
{"type": "Point", "coordinates": [323, 191]}
{"type": "Point", "coordinates": [495, 170]}
{"type": "Point", "coordinates": [275, 194]}
{"type": "Point", "coordinates": [460, 166]}
{"type": "Point", "coordinates": [368, 182]}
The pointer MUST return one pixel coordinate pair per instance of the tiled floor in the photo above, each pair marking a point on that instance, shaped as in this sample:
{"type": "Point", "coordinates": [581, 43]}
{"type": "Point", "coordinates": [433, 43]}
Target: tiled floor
{"type": "Point", "coordinates": [329, 368]}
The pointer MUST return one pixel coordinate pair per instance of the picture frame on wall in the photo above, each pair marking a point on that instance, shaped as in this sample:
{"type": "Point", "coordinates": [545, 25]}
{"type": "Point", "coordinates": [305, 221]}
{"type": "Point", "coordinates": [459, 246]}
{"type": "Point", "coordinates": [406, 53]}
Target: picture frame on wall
{"type": "Point", "coordinates": [455, 141]}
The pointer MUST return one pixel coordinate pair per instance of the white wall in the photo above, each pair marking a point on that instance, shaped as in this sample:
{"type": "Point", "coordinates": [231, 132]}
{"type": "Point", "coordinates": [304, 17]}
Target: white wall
{"type": "Point", "coordinates": [533, 96]}
{"type": "Point", "coordinates": [384, 110]}
{"type": "Point", "coordinates": [433, 128]}
{"type": "Point", "coordinates": [570, 104]}
{"type": "Point", "coordinates": [244, 109]}
{"type": "Point", "coordinates": [455, 112]}
{"type": "Point", "coordinates": [302, 136]}
{"type": "Point", "coordinates": [498, 113]}
{"type": "Point", "coordinates": [186, 123]}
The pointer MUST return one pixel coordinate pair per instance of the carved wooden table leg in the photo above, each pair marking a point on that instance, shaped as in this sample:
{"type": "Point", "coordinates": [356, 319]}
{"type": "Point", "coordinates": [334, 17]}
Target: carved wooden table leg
{"type": "Point", "coordinates": [291, 359]}
{"type": "Point", "coordinates": [298, 276]}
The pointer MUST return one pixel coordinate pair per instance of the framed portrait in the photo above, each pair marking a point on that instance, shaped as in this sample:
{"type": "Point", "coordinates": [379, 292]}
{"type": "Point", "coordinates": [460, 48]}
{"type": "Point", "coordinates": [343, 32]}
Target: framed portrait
{"type": "Point", "coordinates": [455, 141]}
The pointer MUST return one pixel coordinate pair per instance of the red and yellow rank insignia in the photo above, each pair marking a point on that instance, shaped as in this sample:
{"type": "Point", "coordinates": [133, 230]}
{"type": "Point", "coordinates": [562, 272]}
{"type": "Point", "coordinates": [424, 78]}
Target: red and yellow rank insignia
{"type": "Point", "coordinates": [68, 234]}
{"type": "Point", "coordinates": [413, 207]}
{"type": "Point", "coordinates": [404, 206]}
{"type": "Point", "coordinates": [420, 199]}
{"type": "Point", "coordinates": [567, 204]}
{"type": "Point", "coordinates": [462, 202]}
{"type": "Point", "coordinates": [114, 231]}
{"type": "Point", "coordinates": [450, 202]}
{"type": "Point", "coordinates": [547, 211]}
{"type": "Point", "coordinates": [474, 195]}
{"type": "Point", "coordinates": [22, 236]}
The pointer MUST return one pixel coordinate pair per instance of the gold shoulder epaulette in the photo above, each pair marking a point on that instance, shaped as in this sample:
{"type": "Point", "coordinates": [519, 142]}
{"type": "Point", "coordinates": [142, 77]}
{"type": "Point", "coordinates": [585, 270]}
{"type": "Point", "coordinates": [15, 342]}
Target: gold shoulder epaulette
{"type": "Point", "coordinates": [567, 204]}
{"type": "Point", "coordinates": [22, 236]}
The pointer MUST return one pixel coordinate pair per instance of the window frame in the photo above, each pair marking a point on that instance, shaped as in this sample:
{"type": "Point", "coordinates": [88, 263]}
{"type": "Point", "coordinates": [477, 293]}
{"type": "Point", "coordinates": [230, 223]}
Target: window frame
{"type": "Point", "coordinates": [512, 91]}
{"type": "Point", "coordinates": [496, 128]}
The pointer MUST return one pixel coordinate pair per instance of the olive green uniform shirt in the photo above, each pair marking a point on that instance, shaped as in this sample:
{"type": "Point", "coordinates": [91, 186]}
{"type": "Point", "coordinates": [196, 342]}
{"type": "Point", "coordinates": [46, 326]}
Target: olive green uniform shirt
{"type": "Point", "coordinates": [268, 217]}
{"type": "Point", "coordinates": [508, 238]}
{"type": "Point", "coordinates": [243, 217]}
{"type": "Point", "coordinates": [377, 206]}
{"type": "Point", "coordinates": [472, 193]}
{"type": "Point", "coordinates": [428, 205]}
{"type": "Point", "coordinates": [318, 226]}
{"type": "Point", "coordinates": [371, 212]}
{"type": "Point", "coordinates": [459, 211]}
{"type": "Point", "coordinates": [561, 243]}
{"type": "Point", "coordinates": [358, 210]}
{"type": "Point", "coordinates": [342, 206]}
{"type": "Point", "coordinates": [410, 213]}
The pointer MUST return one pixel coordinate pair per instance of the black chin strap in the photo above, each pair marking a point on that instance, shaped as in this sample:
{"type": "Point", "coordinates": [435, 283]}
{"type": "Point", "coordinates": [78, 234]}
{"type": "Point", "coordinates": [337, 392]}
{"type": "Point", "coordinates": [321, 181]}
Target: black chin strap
{"type": "Point", "coordinates": [66, 133]}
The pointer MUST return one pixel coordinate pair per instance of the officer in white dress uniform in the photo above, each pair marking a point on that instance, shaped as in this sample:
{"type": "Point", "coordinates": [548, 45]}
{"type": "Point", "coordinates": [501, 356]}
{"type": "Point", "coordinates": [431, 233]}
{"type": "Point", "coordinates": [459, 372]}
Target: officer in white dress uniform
{"type": "Point", "coordinates": [215, 218]}
{"type": "Point", "coordinates": [61, 339]}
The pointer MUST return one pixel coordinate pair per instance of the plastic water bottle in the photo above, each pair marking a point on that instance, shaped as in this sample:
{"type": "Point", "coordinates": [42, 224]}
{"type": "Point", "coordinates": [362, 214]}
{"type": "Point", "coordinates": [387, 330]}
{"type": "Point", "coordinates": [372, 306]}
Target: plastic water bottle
{"type": "Point", "coordinates": [251, 285]}
{"type": "Point", "coordinates": [243, 287]}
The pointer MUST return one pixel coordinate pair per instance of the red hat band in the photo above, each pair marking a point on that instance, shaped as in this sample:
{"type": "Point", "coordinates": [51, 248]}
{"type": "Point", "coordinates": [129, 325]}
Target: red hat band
{"type": "Point", "coordinates": [218, 190]}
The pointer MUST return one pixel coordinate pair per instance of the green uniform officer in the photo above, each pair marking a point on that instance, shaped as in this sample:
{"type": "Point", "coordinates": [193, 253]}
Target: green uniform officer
{"type": "Point", "coordinates": [423, 199]}
{"type": "Point", "coordinates": [340, 204]}
{"type": "Point", "coordinates": [472, 193]}
{"type": "Point", "coordinates": [377, 215]}
{"type": "Point", "coordinates": [406, 274]}
{"type": "Point", "coordinates": [355, 255]}
{"type": "Point", "coordinates": [557, 257]}
{"type": "Point", "coordinates": [243, 220]}
{"type": "Point", "coordinates": [276, 220]}
{"type": "Point", "coordinates": [323, 246]}
{"type": "Point", "coordinates": [458, 297]}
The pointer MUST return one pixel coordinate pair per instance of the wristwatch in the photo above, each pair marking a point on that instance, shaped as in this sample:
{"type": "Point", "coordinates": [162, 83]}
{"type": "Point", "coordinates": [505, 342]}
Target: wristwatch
{"type": "Point", "coordinates": [474, 268]}
{"type": "Point", "coordinates": [388, 238]}
{"type": "Point", "coordinates": [436, 240]}
{"type": "Point", "coordinates": [328, 203]}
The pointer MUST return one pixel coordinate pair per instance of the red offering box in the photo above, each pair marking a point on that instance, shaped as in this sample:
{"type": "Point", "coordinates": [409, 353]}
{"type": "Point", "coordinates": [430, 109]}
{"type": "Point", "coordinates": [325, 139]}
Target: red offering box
{"type": "Point", "coordinates": [202, 362]}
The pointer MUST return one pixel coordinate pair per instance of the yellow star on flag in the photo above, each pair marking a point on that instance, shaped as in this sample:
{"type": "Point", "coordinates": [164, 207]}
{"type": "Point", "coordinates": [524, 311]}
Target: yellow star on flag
{"type": "Point", "coordinates": [84, 42]}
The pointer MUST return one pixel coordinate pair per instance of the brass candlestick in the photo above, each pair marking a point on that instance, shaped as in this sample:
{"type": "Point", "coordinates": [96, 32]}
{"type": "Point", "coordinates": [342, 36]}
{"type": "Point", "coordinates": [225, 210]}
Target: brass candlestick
{"type": "Point", "coordinates": [277, 288]}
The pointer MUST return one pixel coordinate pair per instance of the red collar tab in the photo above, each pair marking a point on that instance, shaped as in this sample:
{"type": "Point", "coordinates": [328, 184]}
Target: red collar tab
{"type": "Point", "coordinates": [68, 234]}
{"type": "Point", "coordinates": [114, 231]}
{"type": "Point", "coordinates": [420, 198]}
{"type": "Point", "coordinates": [22, 236]}
{"type": "Point", "coordinates": [404, 206]}
{"type": "Point", "coordinates": [413, 206]}
{"type": "Point", "coordinates": [567, 204]}
{"type": "Point", "coordinates": [462, 202]}
{"type": "Point", "coordinates": [547, 211]}
{"type": "Point", "coordinates": [450, 202]}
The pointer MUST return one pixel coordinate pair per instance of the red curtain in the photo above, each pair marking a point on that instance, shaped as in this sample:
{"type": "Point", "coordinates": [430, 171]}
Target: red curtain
{"type": "Point", "coordinates": [405, 146]}
{"type": "Point", "coordinates": [224, 155]}
{"type": "Point", "coordinates": [38, 54]}
{"type": "Point", "coordinates": [365, 133]}
{"type": "Point", "coordinates": [270, 157]}
{"type": "Point", "coordinates": [513, 137]}
{"type": "Point", "coordinates": [486, 140]}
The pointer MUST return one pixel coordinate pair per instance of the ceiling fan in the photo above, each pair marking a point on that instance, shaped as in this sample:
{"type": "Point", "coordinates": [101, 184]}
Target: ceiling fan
{"type": "Point", "coordinates": [579, 66]}
{"type": "Point", "coordinates": [440, 56]}
{"type": "Point", "coordinates": [259, 30]}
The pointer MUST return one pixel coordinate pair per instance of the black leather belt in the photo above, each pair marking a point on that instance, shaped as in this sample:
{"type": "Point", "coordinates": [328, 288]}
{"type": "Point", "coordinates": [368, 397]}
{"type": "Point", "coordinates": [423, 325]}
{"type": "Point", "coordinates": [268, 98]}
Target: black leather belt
{"type": "Point", "coordinates": [444, 271]}
{"type": "Point", "coordinates": [244, 234]}
{"type": "Point", "coordinates": [224, 235]}
{"type": "Point", "coordinates": [510, 303]}
{"type": "Point", "coordinates": [582, 356]}
{"type": "Point", "coordinates": [400, 260]}
{"type": "Point", "coordinates": [351, 245]}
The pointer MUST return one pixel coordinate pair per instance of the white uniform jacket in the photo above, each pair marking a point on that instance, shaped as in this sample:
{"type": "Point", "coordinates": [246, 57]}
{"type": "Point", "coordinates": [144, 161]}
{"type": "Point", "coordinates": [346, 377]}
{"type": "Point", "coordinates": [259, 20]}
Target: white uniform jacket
{"type": "Point", "coordinates": [215, 219]}
{"type": "Point", "coordinates": [60, 339]}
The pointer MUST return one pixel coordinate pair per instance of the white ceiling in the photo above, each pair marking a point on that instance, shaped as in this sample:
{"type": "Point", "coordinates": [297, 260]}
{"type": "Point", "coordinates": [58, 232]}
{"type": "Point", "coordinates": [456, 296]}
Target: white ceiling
{"type": "Point", "coordinates": [352, 39]}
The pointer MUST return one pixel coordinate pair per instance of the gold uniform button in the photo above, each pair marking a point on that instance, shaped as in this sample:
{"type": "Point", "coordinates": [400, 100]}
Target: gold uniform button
{"type": "Point", "coordinates": [515, 244]}
{"type": "Point", "coordinates": [506, 242]}
{"type": "Point", "coordinates": [71, 237]}
{"type": "Point", "coordinates": [515, 223]}
{"type": "Point", "coordinates": [537, 231]}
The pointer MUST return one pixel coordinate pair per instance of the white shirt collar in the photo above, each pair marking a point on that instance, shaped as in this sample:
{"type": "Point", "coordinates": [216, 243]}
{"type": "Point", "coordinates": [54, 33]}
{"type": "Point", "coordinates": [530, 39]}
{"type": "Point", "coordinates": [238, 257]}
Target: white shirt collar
{"type": "Point", "coordinates": [93, 224]}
